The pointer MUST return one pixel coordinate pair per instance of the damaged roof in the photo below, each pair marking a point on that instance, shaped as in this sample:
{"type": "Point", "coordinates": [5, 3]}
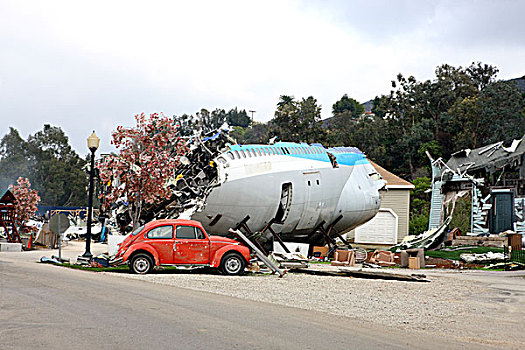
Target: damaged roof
{"type": "Point", "coordinates": [490, 158]}
{"type": "Point", "coordinates": [6, 196]}
{"type": "Point", "coordinates": [392, 180]}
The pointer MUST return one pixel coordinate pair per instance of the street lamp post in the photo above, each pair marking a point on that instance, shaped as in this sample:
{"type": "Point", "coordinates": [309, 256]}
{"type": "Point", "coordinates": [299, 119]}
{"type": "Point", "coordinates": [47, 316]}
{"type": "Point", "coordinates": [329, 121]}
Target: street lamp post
{"type": "Point", "coordinates": [93, 142]}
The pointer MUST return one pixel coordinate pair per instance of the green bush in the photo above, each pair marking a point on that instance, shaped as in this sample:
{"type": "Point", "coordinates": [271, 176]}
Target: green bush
{"type": "Point", "coordinates": [418, 223]}
{"type": "Point", "coordinates": [461, 215]}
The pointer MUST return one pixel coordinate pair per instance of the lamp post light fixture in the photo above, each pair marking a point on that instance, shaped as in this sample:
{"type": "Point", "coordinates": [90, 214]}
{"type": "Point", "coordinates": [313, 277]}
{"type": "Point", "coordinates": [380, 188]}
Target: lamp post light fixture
{"type": "Point", "coordinates": [93, 142]}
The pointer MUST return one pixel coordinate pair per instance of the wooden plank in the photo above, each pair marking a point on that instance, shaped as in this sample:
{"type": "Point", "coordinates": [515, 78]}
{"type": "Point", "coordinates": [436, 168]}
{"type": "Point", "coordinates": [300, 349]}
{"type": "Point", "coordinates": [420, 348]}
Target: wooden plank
{"type": "Point", "coordinates": [346, 272]}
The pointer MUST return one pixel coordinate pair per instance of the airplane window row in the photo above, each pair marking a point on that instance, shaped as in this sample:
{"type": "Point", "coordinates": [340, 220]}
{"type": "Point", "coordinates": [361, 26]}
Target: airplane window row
{"type": "Point", "coordinates": [346, 150]}
{"type": "Point", "coordinates": [269, 151]}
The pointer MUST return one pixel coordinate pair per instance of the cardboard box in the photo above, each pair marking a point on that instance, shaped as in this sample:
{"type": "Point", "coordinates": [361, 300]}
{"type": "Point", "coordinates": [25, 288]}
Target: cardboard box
{"type": "Point", "coordinates": [413, 263]}
{"type": "Point", "coordinates": [320, 252]}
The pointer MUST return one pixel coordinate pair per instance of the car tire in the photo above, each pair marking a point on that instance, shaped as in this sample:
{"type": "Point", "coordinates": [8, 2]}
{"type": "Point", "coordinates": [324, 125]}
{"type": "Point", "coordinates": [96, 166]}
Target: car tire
{"type": "Point", "coordinates": [141, 264]}
{"type": "Point", "coordinates": [232, 264]}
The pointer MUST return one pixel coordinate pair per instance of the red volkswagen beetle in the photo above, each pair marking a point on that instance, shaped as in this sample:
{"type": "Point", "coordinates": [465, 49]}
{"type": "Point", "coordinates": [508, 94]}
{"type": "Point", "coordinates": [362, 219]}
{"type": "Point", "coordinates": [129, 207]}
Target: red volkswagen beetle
{"type": "Point", "coordinates": [180, 242]}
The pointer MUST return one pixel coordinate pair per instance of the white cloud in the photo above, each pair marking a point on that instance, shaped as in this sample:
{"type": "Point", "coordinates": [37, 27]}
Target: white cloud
{"type": "Point", "coordinates": [93, 65]}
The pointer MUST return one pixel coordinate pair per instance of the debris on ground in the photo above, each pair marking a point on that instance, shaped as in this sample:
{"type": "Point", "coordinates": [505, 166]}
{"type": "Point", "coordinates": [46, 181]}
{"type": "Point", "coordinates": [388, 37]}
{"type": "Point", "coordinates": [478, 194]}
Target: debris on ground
{"type": "Point", "coordinates": [406, 255]}
{"type": "Point", "coordinates": [508, 266]}
{"type": "Point", "coordinates": [83, 261]}
{"type": "Point", "coordinates": [52, 260]}
{"type": "Point", "coordinates": [320, 252]}
{"type": "Point", "coordinates": [359, 273]}
{"type": "Point", "coordinates": [382, 258]}
{"type": "Point", "coordinates": [372, 266]}
{"type": "Point", "coordinates": [64, 260]}
{"type": "Point", "coordinates": [100, 262]}
{"type": "Point", "coordinates": [289, 260]}
{"type": "Point", "coordinates": [431, 239]}
{"type": "Point", "coordinates": [495, 241]}
{"type": "Point", "coordinates": [344, 258]}
{"type": "Point", "coordinates": [485, 258]}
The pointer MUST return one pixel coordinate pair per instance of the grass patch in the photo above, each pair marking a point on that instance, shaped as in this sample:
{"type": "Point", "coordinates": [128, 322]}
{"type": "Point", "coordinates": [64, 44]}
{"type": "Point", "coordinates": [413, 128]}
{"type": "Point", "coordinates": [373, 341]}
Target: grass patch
{"type": "Point", "coordinates": [454, 255]}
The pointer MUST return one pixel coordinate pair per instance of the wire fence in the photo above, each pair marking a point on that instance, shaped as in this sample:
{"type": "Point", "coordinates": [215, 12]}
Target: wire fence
{"type": "Point", "coordinates": [518, 256]}
{"type": "Point", "coordinates": [515, 256]}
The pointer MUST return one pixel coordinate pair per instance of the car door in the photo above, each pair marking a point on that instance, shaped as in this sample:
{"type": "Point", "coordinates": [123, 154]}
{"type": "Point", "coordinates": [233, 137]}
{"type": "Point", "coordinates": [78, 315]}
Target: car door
{"type": "Point", "coordinates": [191, 246]}
{"type": "Point", "coordinates": [161, 239]}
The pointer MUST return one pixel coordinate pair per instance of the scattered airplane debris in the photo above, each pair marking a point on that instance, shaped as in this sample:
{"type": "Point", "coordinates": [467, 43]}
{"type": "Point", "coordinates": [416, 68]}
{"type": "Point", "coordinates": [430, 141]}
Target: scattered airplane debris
{"type": "Point", "coordinates": [431, 239]}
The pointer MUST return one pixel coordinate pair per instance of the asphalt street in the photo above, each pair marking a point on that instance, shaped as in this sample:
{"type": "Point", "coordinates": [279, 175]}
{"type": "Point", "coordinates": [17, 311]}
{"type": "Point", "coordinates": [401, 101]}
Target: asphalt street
{"type": "Point", "coordinates": [44, 307]}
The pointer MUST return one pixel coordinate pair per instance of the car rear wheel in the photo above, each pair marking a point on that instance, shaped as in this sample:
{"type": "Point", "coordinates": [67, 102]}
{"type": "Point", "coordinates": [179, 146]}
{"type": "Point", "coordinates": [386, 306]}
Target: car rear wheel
{"type": "Point", "coordinates": [141, 264]}
{"type": "Point", "coordinates": [232, 264]}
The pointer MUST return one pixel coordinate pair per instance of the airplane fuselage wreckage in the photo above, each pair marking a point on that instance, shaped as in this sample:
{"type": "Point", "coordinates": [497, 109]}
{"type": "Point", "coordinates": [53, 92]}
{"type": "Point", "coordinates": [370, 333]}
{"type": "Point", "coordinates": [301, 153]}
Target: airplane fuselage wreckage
{"type": "Point", "coordinates": [294, 188]}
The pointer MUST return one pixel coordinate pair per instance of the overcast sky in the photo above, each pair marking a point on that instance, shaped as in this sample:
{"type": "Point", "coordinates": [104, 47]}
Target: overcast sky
{"type": "Point", "coordinates": [85, 65]}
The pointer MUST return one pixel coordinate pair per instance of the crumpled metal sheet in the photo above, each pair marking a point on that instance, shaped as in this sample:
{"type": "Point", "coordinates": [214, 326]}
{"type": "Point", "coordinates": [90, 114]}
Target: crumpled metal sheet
{"type": "Point", "coordinates": [195, 179]}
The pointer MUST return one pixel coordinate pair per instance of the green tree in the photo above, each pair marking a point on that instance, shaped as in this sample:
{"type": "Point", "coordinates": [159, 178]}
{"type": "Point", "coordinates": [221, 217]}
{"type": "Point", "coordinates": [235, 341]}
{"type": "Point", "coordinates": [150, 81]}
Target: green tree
{"type": "Point", "coordinates": [447, 110]}
{"type": "Point", "coordinates": [240, 118]}
{"type": "Point", "coordinates": [58, 172]}
{"type": "Point", "coordinates": [14, 161]}
{"type": "Point", "coordinates": [342, 127]}
{"type": "Point", "coordinates": [348, 106]}
{"type": "Point", "coordinates": [419, 206]}
{"type": "Point", "coordinates": [461, 215]}
{"type": "Point", "coordinates": [257, 133]}
{"type": "Point", "coordinates": [211, 121]}
{"type": "Point", "coordinates": [502, 109]}
{"type": "Point", "coordinates": [298, 121]}
{"type": "Point", "coordinates": [186, 124]}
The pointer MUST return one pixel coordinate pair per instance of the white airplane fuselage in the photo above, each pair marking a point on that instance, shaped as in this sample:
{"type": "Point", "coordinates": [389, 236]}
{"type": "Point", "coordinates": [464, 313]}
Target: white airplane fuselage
{"type": "Point", "coordinates": [295, 183]}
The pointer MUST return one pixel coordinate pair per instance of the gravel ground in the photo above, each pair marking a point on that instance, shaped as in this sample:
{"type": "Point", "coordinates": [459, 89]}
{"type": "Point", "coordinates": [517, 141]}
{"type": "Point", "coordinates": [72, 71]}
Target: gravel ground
{"type": "Point", "coordinates": [453, 304]}
{"type": "Point", "coordinates": [475, 306]}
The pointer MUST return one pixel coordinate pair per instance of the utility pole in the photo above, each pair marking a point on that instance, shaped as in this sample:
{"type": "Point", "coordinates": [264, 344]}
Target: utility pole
{"type": "Point", "coordinates": [252, 115]}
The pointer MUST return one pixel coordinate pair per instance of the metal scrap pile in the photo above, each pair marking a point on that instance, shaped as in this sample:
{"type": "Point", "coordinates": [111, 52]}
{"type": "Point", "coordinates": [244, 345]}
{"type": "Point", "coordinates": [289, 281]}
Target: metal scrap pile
{"type": "Point", "coordinates": [195, 178]}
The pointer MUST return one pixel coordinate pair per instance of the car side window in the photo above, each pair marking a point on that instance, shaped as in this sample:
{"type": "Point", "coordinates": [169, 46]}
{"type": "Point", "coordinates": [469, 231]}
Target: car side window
{"type": "Point", "coordinates": [161, 232]}
{"type": "Point", "coordinates": [185, 232]}
{"type": "Point", "coordinates": [200, 234]}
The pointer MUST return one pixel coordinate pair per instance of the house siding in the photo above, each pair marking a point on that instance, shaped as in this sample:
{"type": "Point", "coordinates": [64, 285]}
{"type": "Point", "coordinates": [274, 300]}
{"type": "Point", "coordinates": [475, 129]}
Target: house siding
{"type": "Point", "coordinates": [399, 201]}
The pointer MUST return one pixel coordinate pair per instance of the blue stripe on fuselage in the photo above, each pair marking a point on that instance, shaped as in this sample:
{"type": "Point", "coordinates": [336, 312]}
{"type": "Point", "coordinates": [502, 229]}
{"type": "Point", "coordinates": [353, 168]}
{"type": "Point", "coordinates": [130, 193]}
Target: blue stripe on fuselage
{"type": "Point", "coordinates": [344, 155]}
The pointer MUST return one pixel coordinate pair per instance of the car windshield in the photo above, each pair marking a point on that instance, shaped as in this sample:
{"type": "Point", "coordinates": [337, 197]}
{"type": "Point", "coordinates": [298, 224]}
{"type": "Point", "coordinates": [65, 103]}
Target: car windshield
{"type": "Point", "coordinates": [137, 231]}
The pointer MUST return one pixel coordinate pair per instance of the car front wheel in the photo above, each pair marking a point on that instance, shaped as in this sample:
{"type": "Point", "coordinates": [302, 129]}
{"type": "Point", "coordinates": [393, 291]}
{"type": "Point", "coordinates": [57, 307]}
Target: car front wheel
{"type": "Point", "coordinates": [232, 264]}
{"type": "Point", "coordinates": [141, 264]}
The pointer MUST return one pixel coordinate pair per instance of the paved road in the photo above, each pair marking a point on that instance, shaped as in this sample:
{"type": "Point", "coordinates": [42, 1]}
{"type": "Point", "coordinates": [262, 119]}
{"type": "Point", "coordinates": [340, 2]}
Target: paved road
{"type": "Point", "coordinates": [44, 307]}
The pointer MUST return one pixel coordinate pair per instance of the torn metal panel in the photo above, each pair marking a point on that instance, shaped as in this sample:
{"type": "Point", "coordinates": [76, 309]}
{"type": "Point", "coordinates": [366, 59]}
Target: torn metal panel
{"type": "Point", "coordinates": [428, 240]}
{"type": "Point", "coordinates": [268, 262]}
{"type": "Point", "coordinates": [479, 223]}
{"type": "Point", "coordinates": [519, 211]}
{"type": "Point", "coordinates": [489, 158]}
{"type": "Point", "coordinates": [196, 178]}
